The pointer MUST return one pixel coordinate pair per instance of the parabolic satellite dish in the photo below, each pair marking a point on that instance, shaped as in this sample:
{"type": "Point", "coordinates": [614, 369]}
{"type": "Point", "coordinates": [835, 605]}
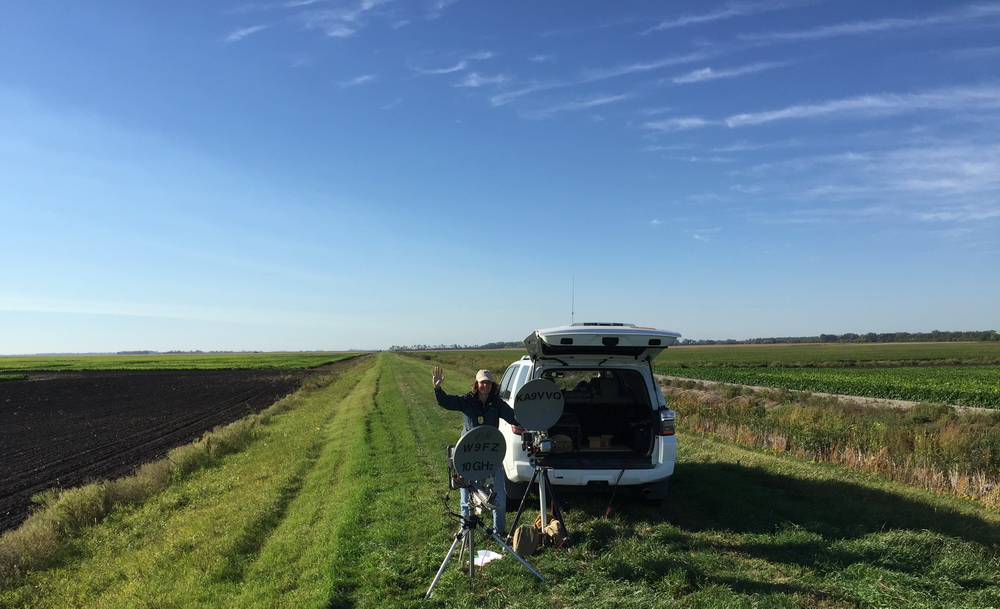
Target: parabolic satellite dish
{"type": "Point", "coordinates": [538, 405]}
{"type": "Point", "coordinates": [479, 453]}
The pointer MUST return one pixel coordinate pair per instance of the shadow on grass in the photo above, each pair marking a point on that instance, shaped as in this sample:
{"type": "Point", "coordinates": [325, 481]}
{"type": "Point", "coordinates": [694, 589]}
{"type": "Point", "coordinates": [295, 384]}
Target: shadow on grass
{"type": "Point", "coordinates": [741, 499]}
{"type": "Point", "coordinates": [751, 500]}
{"type": "Point", "coordinates": [750, 513]}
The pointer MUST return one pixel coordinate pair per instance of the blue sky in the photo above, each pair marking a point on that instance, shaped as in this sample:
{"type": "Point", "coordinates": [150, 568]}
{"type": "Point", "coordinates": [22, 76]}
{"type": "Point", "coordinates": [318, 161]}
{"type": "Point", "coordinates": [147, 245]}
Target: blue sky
{"type": "Point", "coordinates": [325, 175]}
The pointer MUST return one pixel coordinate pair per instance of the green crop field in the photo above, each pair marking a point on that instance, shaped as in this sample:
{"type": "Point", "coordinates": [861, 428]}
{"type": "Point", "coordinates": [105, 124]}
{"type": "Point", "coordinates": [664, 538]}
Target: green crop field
{"type": "Point", "coordinates": [831, 355]}
{"type": "Point", "coordinates": [952, 373]}
{"type": "Point", "coordinates": [181, 361]}
{"type": "Point", "coordinates": [962, 385]}
{"type": "Point", "coordinates": [336, 499]}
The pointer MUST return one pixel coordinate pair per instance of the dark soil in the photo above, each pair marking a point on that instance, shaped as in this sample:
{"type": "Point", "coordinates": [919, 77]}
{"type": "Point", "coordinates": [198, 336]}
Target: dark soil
{"type": "Point", "coordinates": [63, 429]}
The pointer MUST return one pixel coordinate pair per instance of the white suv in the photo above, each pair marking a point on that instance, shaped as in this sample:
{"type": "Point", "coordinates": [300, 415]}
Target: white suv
{"type": "Point", "coordinates": [615, 427]}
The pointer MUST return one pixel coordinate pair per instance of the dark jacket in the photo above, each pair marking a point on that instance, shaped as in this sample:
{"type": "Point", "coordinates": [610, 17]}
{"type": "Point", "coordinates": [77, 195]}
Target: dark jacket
{"type": "Point", "coordinates": [474, 412]}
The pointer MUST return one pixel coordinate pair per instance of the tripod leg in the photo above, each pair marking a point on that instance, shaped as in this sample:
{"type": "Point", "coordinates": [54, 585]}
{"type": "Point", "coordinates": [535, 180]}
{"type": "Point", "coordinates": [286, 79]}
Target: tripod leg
{"type": "Point", "coordinates": [520, 508]}
{"type": "Point", "coordinates": [557, 513]}
{"type": "Point", "coordinates": [444, 563]}
{"type": "Point", "coordinates": [464, 547]}
{"type": "Point", "coordinates": [515, 555]}
{"type": "Point", "coordinates": [472, 552]}
{"type": "Point", "coordinates": [543, 498]}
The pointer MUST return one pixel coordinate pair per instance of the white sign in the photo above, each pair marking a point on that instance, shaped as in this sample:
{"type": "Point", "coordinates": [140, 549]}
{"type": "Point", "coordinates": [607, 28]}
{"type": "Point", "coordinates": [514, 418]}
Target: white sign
{"type": "Point", "coordinates": [538, 404]}
{"type": "Point", "coordinates": [479, 453]}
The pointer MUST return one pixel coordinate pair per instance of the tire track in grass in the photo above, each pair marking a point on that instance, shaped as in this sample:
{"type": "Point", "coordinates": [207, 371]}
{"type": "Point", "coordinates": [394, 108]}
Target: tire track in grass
{"type": "Point", "coordinates": [308, 561]}
{"type": "Point", "coordinates": [433, 428]}
{"type": "Point", "coordinates": [250, 542]}
{"type": "Point", "coordinates": [391, 563]}
{"type": "Point", "coordinates": [394, 539]}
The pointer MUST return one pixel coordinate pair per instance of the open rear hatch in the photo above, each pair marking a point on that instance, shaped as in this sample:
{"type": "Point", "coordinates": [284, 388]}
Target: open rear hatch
{"type": "Point", "coordinates": [607, 339]}
{"type": "Point", "coordinates": [607, 421]}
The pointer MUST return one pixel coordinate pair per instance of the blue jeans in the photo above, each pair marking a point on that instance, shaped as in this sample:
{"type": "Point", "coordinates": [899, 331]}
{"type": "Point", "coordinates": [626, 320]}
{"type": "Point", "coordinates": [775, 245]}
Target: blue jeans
{"type": "Point", "coordinates": [499, 514]}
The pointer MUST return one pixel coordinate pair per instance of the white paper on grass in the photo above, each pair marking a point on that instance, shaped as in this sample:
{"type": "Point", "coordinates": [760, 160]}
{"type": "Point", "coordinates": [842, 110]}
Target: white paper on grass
{"type": "Point", "coordinates": [484, 557]}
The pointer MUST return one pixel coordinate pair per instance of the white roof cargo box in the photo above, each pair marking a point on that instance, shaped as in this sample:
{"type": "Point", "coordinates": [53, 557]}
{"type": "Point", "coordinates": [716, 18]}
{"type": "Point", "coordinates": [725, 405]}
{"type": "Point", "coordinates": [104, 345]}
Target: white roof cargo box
{"type": "Point", "coordinates": [605, 339]}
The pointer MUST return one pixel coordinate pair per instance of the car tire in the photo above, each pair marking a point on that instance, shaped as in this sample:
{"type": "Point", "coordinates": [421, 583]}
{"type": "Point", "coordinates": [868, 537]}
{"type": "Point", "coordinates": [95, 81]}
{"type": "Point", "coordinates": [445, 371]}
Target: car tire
{"type": "Point", "coordinates": [655, 492]}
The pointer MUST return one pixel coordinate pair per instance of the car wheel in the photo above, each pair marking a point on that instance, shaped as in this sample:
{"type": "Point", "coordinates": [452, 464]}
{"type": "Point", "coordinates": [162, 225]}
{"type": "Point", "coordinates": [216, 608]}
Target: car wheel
{"type": "Point", "coordinates": [655, 492]}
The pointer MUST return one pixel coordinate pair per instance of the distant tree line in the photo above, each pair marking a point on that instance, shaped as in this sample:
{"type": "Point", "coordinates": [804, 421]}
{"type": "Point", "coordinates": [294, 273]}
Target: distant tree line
{"type": "Point", "coordinates": [937, 336]}
{"type": "Point", "coordinates": [496, 345]}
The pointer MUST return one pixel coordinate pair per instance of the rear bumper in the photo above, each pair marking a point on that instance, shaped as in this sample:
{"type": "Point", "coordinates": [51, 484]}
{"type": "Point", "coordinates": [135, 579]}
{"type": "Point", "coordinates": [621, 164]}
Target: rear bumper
{"type": "Point", "coordinates": [585, 477]}
{"type": "Point", "coordinates": [658, 466]}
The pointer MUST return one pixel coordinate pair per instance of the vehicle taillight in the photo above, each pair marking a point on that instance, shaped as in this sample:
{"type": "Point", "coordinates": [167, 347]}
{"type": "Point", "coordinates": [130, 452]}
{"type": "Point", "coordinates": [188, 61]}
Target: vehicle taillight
{"type": "Point", "coordinates": [667, 418]}
{"type": "Point", "coordinates": [516, 429]}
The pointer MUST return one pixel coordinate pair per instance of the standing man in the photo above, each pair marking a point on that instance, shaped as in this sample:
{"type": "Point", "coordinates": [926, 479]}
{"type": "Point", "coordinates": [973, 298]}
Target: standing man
{"type": "Point", "coordinates": [481, 406]}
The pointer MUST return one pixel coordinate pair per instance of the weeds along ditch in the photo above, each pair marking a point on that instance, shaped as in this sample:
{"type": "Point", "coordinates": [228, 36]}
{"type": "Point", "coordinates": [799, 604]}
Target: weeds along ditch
{"type": "Point", "coordinates": [932, 445]}
{"type": "Point", "coordinates": [929, 446]}
{"type": "Point", "coordinates": [336, 500]}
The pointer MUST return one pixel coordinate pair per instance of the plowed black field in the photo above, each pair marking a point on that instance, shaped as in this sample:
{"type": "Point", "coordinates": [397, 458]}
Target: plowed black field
{"type": "Point", "coordinates": [65, 429]}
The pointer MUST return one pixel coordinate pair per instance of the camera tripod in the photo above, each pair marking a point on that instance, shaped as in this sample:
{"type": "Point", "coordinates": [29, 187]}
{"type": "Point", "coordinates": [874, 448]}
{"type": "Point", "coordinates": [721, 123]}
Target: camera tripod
{"type": "Point", "coordinates": [545, 491]}
{"type": "Point", "coordinates": [466, 535]}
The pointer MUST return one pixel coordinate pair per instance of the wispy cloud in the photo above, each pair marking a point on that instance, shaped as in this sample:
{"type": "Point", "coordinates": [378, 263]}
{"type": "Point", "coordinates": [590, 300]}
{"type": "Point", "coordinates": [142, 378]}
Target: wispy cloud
{"type": "Point", "coordinates": [743, 146]}
{"type": "Point", "coordinates": [726, 12]}
{"type": "Point", "coordinates": [437, 8]}
{"type": "Point", "coordinates": [393, 104]}
{"type": "Point", "coordinates": [502, 99]}
{"type": "Point", "coordinates": [968, 14]}
{"type": "Point", "coordinates": [333, 23]}
{"type": "Point", "coordinates": [683, 123]}
{"type": "Point", "coordinates": [463, 63]}
{"type": "Point", "coordinates": [957, 99]}
{"type": "Point", "coordinates": [940, 181]}
{"type": "Point", "coordinates": [598, 75]}
{"type": "Point", "coordinates": [706, 74]}
{"type": "Point", "coordinates": [481, 55]}
{"type": "Point", "coordinates": [341, 21]}
{"type": "Point", "coordinates": [474, 79]}
{"type": "Point", "coordinates": [975, 53]}
{"type": "Point", "coordinates": [358, 81]}
{"type": "Point", "coordinates": [457, 67]}
{"type": "Point", "coordinates": [582, 104]}
{"type": "Point", "coordinates": [344, 19]}
{"type": "Point", "coordinates": [645, 66]}
{"type": "Point", "coordinates": [242, 33]}
{"type": "Point", "coordinates": [702, 234]}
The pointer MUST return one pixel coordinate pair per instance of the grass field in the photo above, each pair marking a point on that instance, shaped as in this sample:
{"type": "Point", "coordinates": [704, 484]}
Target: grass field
{"type": "Point", "coordinates": [952, 373]}
{"type": "Point", "coordinates": [337, 501]}
{"type": "Point", "coordinates": [837, 355]}
{"type": "Point", "coordinates": [185, 361]}
{"type": "Point", "coordinates": [961, 385]}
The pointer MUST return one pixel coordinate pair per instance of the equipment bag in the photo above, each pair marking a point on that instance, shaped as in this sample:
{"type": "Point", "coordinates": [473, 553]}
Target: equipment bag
{"type": "Point", "coordinates": [526, 540]}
